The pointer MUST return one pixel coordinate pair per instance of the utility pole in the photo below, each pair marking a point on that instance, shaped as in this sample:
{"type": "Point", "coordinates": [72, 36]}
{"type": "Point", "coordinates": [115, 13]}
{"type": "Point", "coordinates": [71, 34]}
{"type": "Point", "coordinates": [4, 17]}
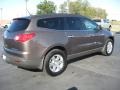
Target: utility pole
{"type": "Point", "coordinates": [68, 4]}
{"type": "Point", "coordinates": [1, 15]}
{"type": "Point", "coordinates": [26, 1]}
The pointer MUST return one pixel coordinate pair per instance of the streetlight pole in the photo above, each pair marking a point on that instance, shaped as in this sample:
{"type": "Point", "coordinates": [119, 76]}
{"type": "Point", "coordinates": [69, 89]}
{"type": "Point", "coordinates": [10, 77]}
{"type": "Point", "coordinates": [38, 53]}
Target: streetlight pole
{"type": "Point", "coordinates": [1, 15]}
{"type": "Point", "coordinates": [68, 4]}
{"type": "Point", "coordinates": [26, 6]}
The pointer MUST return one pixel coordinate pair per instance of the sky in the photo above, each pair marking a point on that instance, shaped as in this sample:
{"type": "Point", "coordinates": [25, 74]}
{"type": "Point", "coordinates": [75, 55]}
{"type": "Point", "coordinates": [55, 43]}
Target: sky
{"type": "Point", "coordinates": [16, 8]}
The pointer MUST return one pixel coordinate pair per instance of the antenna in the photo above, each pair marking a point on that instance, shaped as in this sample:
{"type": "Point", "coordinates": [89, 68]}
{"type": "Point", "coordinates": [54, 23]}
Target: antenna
{"type": "Point", "coordinates": [27, 11]}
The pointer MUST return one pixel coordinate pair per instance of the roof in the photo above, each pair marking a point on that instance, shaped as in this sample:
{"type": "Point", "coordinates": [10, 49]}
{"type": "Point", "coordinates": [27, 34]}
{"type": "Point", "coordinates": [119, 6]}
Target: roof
{"type": "Point", "coordinates": [52, 15]}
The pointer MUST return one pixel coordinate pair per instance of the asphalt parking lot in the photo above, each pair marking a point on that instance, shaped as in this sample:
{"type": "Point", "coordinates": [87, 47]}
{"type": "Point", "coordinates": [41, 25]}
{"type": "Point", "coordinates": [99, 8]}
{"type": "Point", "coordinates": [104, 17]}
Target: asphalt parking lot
{"type": "Point", "coordinates": [93, 72]}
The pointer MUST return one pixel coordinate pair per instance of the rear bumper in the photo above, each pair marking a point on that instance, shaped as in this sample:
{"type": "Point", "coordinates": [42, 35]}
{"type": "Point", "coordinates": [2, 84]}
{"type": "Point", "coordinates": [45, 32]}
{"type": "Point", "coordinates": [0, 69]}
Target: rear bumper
{"type": "Point", "coordinates": [21, 62]}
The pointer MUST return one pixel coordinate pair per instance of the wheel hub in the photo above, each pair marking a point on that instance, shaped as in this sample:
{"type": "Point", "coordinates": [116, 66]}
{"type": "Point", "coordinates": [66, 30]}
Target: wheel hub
{"type": "Point", "coordinates": [56, 63]}
{"type": "Point", "coordinates": [109, 47]}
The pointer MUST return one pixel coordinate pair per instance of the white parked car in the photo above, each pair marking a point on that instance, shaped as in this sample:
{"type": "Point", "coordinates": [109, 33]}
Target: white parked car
{"type": "Point", "coordinates": [104, 23]}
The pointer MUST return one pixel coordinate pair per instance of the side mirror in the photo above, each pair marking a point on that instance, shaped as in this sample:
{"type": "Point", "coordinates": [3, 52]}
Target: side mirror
{"type": "Point", "coordinates": [99, 27]}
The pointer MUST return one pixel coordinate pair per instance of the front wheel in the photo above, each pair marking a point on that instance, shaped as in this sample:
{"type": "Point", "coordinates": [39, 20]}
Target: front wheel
{"type": "Point", "coordinates": [55, 62]}
{"type": "Point", "coordinates": [108, 47]}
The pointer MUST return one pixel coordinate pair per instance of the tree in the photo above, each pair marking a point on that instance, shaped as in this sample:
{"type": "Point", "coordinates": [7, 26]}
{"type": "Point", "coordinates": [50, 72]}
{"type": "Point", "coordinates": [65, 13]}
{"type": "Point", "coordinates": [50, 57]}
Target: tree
{"type": "Point", "coordinates": [46, 7]}
{"type": "Point", "coordinates": [101, 13]}
{"type": "Point", "coordinates": [75, 7]}
{"type": "Point", "coordinates": [63, 8]}
{"type": "Point", "coordinates": [83, 7]}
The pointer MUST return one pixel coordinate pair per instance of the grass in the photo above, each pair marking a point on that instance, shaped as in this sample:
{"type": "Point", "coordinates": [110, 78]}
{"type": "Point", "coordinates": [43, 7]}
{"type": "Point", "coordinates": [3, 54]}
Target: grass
{"type": "Point", "coordinates": [115, 26]}
{"type": "Point", "coordinates": [115, 22]}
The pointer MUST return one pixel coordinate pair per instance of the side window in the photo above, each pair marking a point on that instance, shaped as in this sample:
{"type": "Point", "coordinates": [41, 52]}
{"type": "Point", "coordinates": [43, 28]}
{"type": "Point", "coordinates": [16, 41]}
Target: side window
{"type": "Point", "coordinates": [90, 25]}
{"type": "Point", "coordinates": [74, 23]}
{"type": "Point", "coordinates": [51, 23]}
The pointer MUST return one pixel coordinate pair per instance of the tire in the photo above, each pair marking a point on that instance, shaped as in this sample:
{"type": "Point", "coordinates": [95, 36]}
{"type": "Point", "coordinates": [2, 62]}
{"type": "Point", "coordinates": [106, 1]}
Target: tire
{"type": "Point", "coordinates": [55, 62]}
{"type": "Point", "coordinates": [110, 28]}
{"type": "Point", "coordinates": [108, 47]}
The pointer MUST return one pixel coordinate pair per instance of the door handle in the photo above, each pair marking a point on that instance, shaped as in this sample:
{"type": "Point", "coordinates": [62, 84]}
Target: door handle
{"type": "Point", "coordinates": [91, 35]}
{"type": "Point", "coordinates": [70, 36]}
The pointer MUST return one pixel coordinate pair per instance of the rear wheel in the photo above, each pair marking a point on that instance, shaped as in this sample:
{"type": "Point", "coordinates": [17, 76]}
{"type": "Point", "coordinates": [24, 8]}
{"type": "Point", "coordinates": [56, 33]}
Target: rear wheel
{"type": "Point", "coordinates": [55, 62]}
{"type": "Point", "coordinates": [108, 48]}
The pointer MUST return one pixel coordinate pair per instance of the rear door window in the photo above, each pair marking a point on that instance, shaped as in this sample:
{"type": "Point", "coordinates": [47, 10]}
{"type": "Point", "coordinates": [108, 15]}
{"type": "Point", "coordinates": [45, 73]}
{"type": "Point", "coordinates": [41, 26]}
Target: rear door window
{"type": "Point", "coordinates": [51, 23]}
{"type": "Point", "coordinates": [19, 24]}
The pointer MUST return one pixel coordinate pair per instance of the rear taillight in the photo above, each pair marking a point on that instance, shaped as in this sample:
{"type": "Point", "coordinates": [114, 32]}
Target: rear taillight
{"type": "Point", "coordinates": [24, 37]}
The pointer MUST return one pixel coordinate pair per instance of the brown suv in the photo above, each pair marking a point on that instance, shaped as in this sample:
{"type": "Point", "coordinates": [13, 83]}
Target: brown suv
{"type": "Point", "coordinates": [48, 41]}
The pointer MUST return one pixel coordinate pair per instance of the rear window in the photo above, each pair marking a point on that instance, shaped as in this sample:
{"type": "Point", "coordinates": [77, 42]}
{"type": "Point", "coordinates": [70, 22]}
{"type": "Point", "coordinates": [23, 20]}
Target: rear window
{"type": "Point", "coordinates": [19, 24]}
{"type": "Point", "coordinates": [51, 23]}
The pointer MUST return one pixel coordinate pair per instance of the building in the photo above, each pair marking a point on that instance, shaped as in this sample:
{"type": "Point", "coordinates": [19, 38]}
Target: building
{"type": "Point", "coordinates": [4, 22]}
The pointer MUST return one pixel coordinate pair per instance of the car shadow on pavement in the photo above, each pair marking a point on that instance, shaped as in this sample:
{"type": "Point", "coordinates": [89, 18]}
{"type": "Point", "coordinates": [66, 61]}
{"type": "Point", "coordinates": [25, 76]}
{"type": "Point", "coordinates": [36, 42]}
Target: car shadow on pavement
{"type": "Point", "coordinates": [32, 70]}
{"type": "Point", "coordinates": [73, 88]}
{"type": "Point", "coordinates": [69, 62]}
